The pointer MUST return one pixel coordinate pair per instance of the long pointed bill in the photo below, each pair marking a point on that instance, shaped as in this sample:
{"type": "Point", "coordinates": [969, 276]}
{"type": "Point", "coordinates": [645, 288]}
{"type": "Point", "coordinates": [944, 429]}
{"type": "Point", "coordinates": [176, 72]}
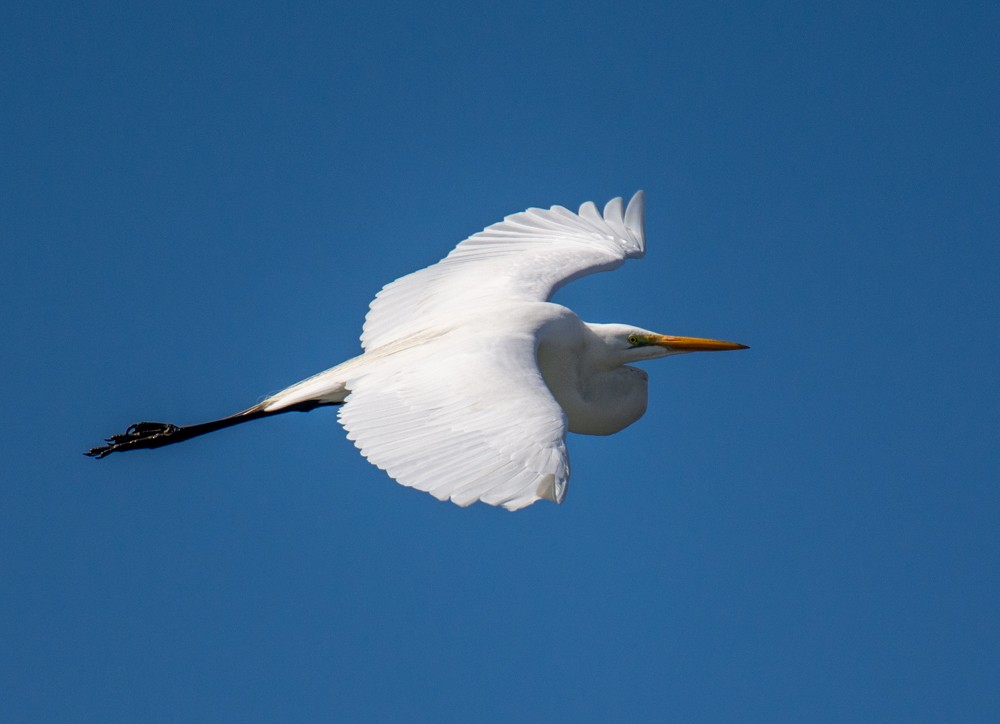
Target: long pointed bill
{"type": "Point", "coordinates": [694, 344]}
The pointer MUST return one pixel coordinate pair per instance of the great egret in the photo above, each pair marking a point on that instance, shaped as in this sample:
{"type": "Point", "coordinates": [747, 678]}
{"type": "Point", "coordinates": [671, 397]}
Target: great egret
{"type": "Point", "coordinates": [470, 378]}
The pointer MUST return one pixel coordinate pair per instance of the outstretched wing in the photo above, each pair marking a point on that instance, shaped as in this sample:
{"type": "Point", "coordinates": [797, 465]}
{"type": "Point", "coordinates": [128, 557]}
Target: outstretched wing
{"type": "Point", "coordinates": [527, 256]}
{"type": "Point", "coordinates": [464, 420]}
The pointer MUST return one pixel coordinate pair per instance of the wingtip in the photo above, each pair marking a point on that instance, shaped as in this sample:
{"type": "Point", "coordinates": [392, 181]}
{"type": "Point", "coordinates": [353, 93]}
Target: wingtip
{"type": "Point", "coordinates": [635, 214]}
{"type": "Point", "coordinates": [549, 488]}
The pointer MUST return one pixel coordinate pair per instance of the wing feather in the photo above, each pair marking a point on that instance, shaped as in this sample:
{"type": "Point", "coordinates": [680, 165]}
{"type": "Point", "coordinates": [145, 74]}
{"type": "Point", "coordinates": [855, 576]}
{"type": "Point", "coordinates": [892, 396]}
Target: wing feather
{"type": "Point", "coordinates": [526, 257]}
{"type": "Point", "coordinates": [463, 421]}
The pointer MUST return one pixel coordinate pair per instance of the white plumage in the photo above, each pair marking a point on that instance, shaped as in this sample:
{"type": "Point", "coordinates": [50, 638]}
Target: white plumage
{"type": "Point", "coordinates": [470, 378]}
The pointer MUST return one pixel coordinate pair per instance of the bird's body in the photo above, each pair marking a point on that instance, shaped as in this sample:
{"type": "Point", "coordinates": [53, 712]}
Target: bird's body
{"type": "Point", "coordinates": [597, 394]}
{"type": "Point", "coordinates": [470, 377]}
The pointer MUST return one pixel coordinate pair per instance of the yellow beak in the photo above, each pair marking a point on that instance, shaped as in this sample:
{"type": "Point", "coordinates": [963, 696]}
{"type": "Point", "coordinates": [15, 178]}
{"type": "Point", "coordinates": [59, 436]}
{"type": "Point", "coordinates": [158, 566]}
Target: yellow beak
{"type": "Point", "coordinates": [694, 344]}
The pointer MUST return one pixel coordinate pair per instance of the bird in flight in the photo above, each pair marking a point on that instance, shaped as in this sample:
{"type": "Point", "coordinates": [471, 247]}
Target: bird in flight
{"type": "Point", "coordinates": [470, 377]}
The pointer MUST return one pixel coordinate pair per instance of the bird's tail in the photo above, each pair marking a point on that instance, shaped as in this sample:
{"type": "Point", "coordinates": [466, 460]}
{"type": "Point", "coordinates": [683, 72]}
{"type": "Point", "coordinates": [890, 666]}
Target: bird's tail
{"type": "Point", "coordinates": [325, 388]}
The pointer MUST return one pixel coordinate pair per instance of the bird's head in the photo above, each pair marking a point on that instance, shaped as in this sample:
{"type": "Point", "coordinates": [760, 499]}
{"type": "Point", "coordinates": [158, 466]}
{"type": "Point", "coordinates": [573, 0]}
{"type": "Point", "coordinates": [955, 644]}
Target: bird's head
{"type": "Point", "coordinates": [631, 344]}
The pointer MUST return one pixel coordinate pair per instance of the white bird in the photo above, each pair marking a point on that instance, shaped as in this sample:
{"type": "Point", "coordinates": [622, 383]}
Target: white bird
{"type": "Point", "coordinates": [470, 377]}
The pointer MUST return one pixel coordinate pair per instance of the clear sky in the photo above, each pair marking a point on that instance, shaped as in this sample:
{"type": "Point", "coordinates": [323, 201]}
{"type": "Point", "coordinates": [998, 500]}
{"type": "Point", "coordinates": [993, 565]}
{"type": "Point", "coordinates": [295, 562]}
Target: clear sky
{"type": "Point", "coordinates": [198, 202]}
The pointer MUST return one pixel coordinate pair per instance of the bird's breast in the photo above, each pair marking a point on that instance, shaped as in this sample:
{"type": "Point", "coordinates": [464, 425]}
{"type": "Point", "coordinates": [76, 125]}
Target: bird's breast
{"type": "Point", "coordinates": [605, 403]}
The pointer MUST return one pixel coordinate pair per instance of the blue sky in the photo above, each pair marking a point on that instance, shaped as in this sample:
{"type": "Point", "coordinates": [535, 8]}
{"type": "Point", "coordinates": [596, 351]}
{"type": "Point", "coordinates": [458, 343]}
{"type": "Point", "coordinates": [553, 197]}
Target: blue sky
{"type": "Point", "coordinates": [200, 200]}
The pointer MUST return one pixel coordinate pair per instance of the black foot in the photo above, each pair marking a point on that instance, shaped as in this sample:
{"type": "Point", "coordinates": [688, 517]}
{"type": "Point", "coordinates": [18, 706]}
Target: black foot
{"type": "Point", "coordinates": [136, 437]}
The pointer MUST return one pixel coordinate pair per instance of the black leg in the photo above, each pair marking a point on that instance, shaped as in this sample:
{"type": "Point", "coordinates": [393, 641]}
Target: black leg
{"type": "Point", "coordinates": [137, 436]}
{"type": "Point", "coordinates": [148, 435]}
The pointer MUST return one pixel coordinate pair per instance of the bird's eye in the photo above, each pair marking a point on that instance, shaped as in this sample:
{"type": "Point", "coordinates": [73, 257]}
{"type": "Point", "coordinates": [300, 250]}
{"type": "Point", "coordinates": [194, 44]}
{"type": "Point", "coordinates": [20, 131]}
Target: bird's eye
{"type": "Point", "coordinates": [633, 339]}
